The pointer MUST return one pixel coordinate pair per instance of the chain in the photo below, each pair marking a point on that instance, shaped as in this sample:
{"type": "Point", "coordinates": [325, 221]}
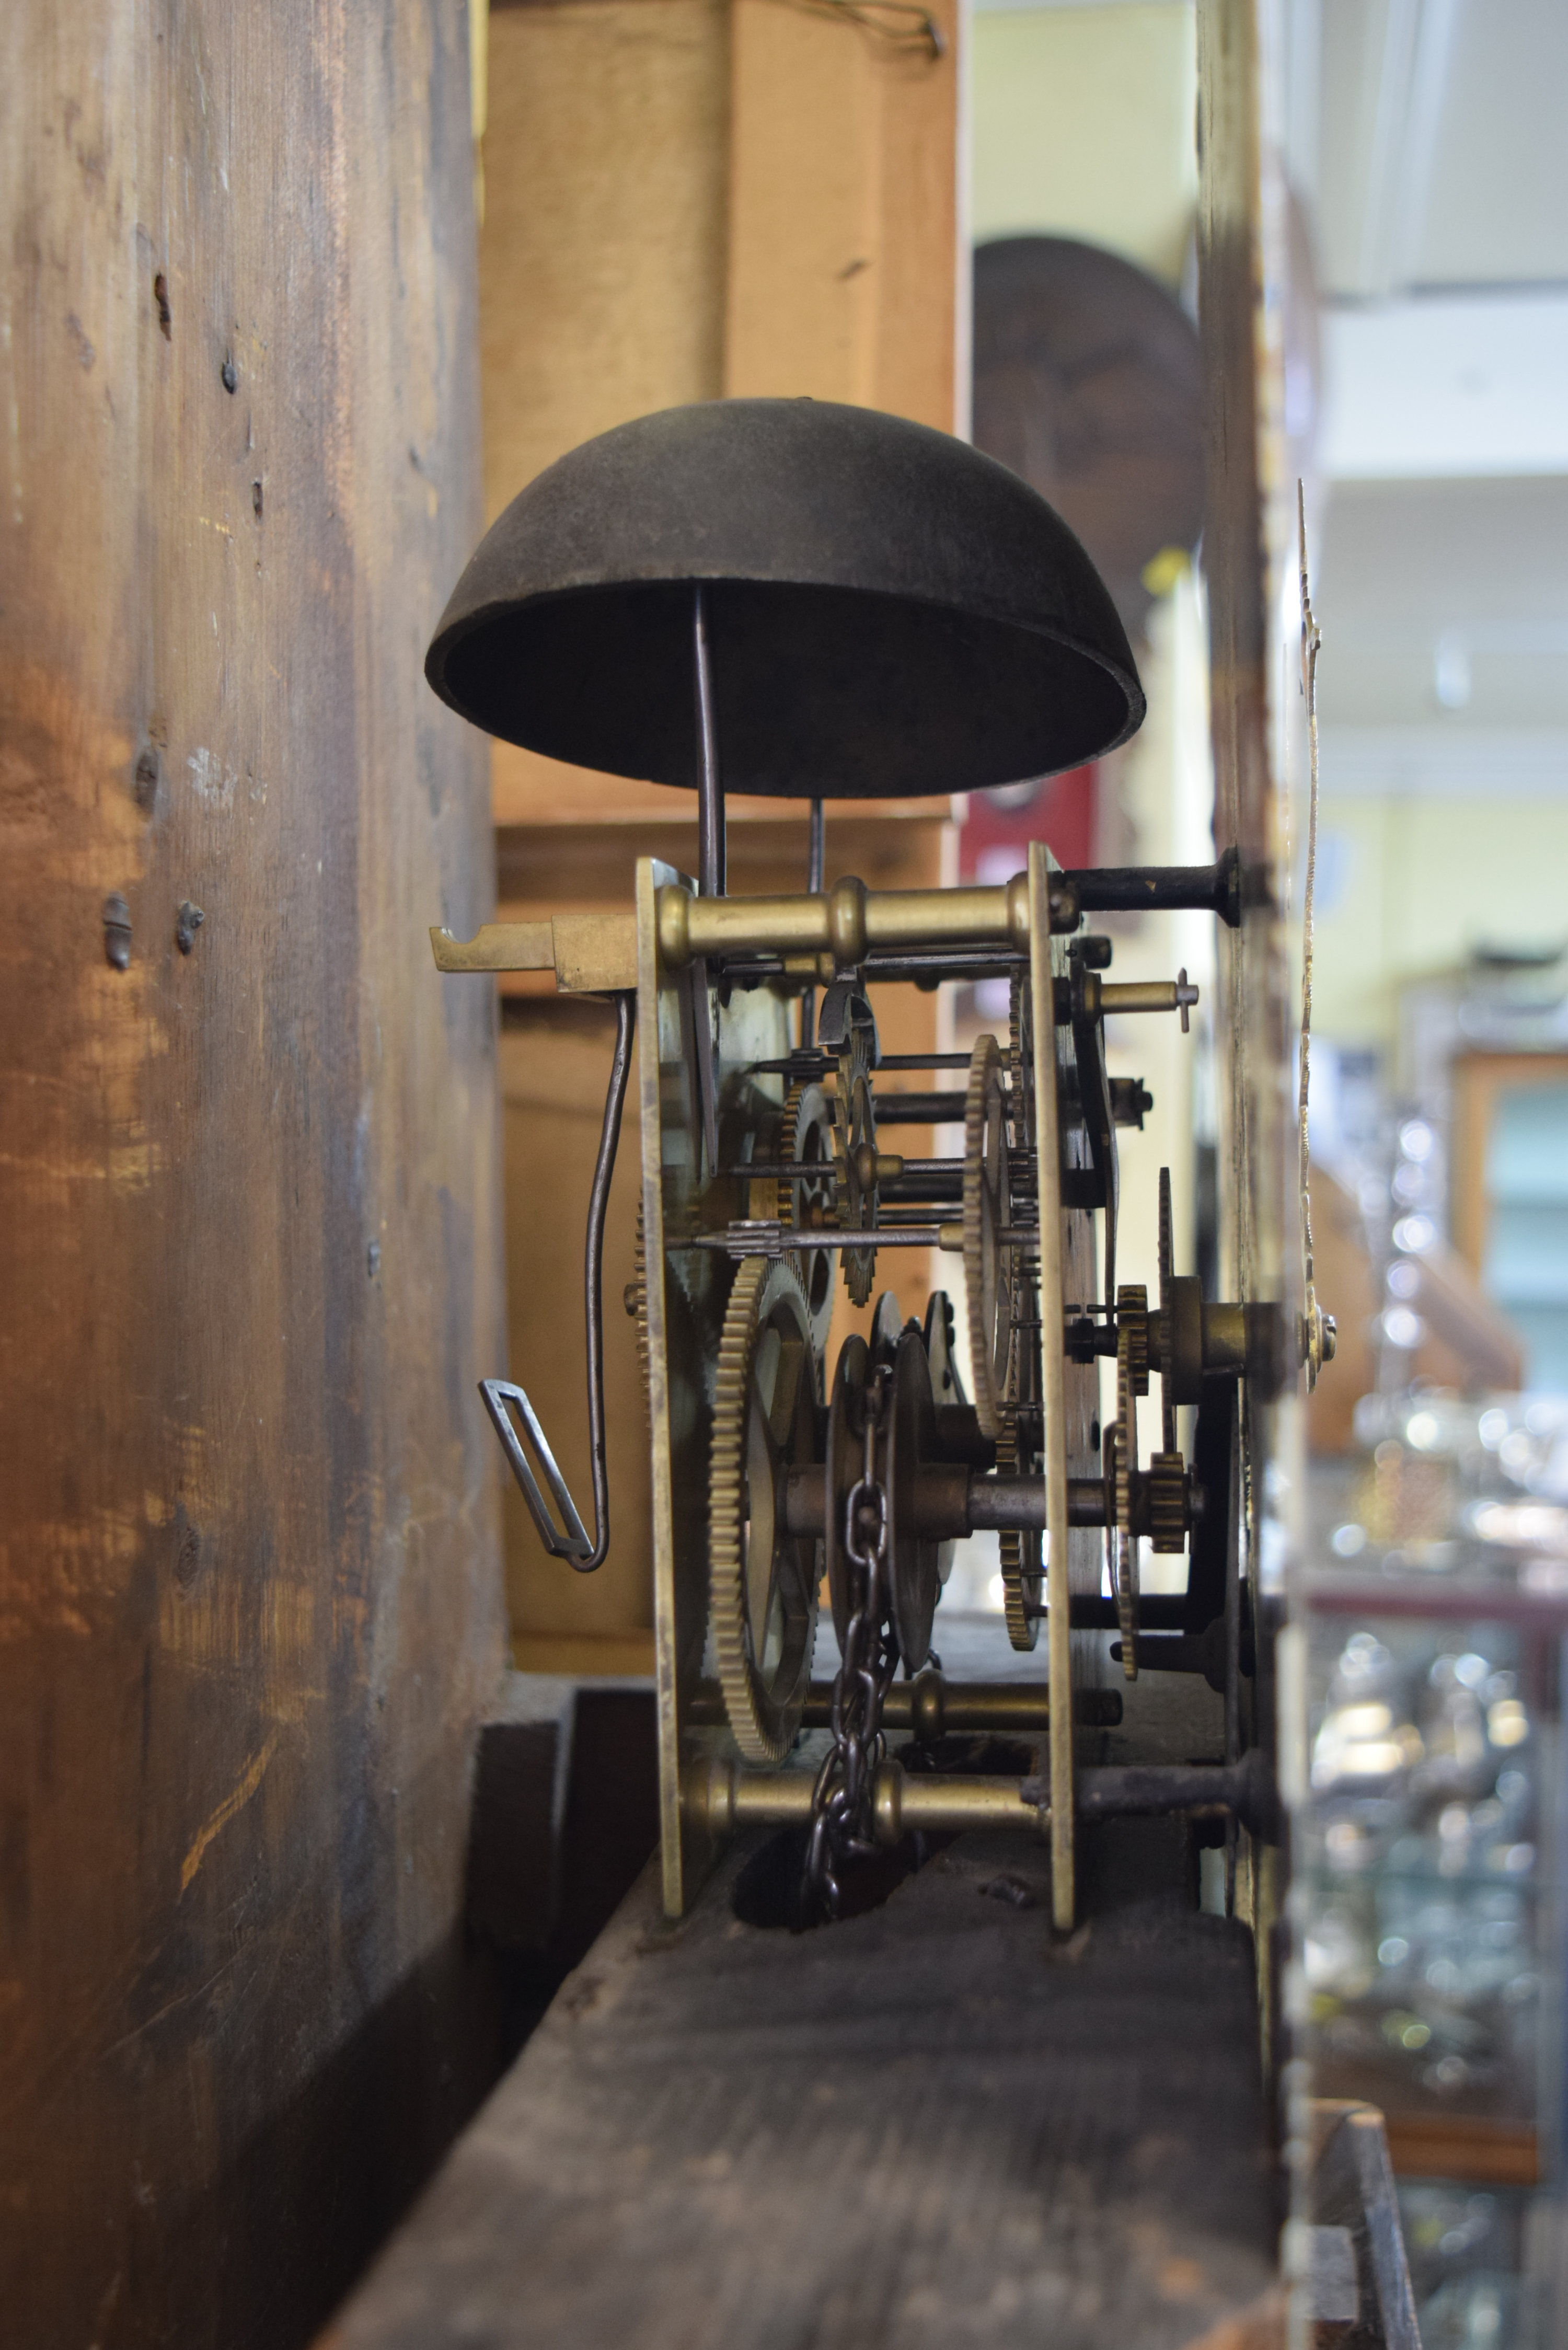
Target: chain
{"type": "Point", "coordinates": [842, 1805]}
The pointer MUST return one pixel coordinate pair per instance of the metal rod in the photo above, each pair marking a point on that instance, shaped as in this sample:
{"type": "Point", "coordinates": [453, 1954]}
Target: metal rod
{"type": "Point", "coordinates": [593, 1274]}
{"type": "Point", "coordinates": [710, 790]}
{"type": "Point", "coordinates": [1130, 889]}
{"type": "Point", "coordinates": [929, 1706]}
{"type": "Point", "coordinates": [793, 1064]}
{"type": "Point", "coordinates": [950, 1502]}
{"type": "Point", "coordinates": [946, 1171]}
{"type": "Point", "coordinates": [782, 1240]}
{"type": "Point", "coordinates": [746, 969]}
{"type": "Point", "coordinates": [1150, 1790]}
{"type": "Point", "coordinates": [920, 1109]}
{"type": "Point", "coordinates": [1148, 995]}
{"type": "Point", "coordinates": [718, 1796]}
{"type": "Point", "coordinates": [763, 1236]}
{"type": "Point", "coordinates": [817, 854]}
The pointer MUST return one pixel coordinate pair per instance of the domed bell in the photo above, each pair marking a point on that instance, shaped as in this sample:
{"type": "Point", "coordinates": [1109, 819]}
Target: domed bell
{"type": "Point", "coordinates": [888, 612]}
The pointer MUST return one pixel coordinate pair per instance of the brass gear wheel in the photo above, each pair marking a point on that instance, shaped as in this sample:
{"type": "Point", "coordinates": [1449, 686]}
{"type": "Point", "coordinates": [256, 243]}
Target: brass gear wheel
{"type": "Point", "coordinates": [634, 1296]}
{"type": "Point", "coordinates": [1020, 1554]}
{"type": "Point", "coordinates": [1132, 1321]}
{"type": "Point", "coordinates": [1021, 1061]}
{"type": "Point", "coordinates": [806, 1133]}
{"type": "Point", "coordinates": [1167, 1512]}
{"type": "Point", "coordinates": [1121, 1467]}
{"type": "Point", "coordinates": [988, 1261]}
{"type": "Point", "coordinates": [762, 1581]}
{"type": "Point", "coordinates": [1166, 1366]}
{"type": "Point", "coordinates": [1166, 1486]}
{"type": "Point", "coordinates": [856, 1131]}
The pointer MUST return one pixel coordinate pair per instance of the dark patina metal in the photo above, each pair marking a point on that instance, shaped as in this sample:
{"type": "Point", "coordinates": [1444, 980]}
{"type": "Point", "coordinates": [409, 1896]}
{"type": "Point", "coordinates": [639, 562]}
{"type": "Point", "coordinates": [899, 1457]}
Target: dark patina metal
{"type": "Point", "coordinates": [888, 611]}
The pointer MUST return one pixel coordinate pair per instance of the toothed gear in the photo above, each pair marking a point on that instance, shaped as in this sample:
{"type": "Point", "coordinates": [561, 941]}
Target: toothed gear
{"type": "Point", "coordinates": [1132, 1322]}
{"type": "Point", "coordinates": [635, 1296]}
{"type": "Point", "coordinates": [806, 1115]}
{"type": "Point", "coordinates": [1121, 1469]}
{"type": "Point", "coordinates": [988, 1263]}
{"type": "Point", "coordinates": [1021, 1061]}
{"type": "Point", "coordinates": [855, 1123]}
{"type": "Point", "coordinates": [1165, 1488]}
{"type": "Point", "coordinates": [1166, 1366]}
{"type": "Point", "coordinates": [763, 1582]}
{"type": "Point", "coordinates": [1020, 1604]}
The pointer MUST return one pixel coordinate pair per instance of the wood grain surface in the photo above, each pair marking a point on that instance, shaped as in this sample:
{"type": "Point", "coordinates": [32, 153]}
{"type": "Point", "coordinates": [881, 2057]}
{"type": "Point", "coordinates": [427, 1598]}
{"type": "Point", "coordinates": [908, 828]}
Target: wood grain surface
{"type": "Point", "coordinates": [928, 2125]}
{"type": "Point", "coordinates": [250, 1598]}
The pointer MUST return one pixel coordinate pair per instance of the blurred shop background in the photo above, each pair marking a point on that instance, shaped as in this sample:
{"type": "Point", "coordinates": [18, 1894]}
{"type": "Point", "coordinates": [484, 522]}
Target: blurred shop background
{"type": "Point", "coordinates": [1425, 326]}
{"type": "Point", "coordinates": [1425, 153]}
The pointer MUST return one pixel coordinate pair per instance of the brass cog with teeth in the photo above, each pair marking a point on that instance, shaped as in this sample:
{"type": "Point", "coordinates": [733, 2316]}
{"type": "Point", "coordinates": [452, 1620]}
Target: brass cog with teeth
{"type": "Point", "coordinates": [806, 1133]}
{"type": "Point", "coordinates": [1166, 1487]}
{"type": "Point", "coordinates": [1019, 1555]}
{"type": "Point", "coordinates": [855, 1137]}
{"type": "Point", "coordinates": [988, 1260]}
{"type": "Point", "coordinates": [762, 1580]}
{"type": "Point", "coordinates": [1121, 1468]}
{"type": "Point", "coordinates": [634, 1296]}
{"type": "Point", "coordinates": [1021, 1061]}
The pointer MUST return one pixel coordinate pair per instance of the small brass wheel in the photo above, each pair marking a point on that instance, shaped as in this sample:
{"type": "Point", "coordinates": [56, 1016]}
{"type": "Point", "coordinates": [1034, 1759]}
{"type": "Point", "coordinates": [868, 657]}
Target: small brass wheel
{"type": "Point", "coordinates": [987, 1213]}
{"type": "Point", "coordinates": [762, 1580]}
{"type": "Point", "coordinates": [634, 1296]}
{"type": "Point", "coordinates": [855, 1149]}
{"type": "Point", "coordinates": [1021, 1061]}
{"type": "Point", "coordinates": [1121, 1468]}
{"type": "Point", "coordinates": [1167, 1469]}
{"type": "Point", "coordinates": [805, 1134]}
{"type": "Point", "coordinates": [1020, 1554]}
{"type": "Point", "coordinates": [1167, 1275]}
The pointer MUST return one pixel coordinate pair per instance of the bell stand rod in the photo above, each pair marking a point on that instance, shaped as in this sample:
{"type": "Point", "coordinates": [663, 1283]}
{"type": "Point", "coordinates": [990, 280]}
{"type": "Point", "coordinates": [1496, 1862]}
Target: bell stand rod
{"type": "Point", "coordinates": [710, 790]}
{"type": "Point", "coordinates": [710, 864]}
{"type": "Point", "coordinates": [815, 862]}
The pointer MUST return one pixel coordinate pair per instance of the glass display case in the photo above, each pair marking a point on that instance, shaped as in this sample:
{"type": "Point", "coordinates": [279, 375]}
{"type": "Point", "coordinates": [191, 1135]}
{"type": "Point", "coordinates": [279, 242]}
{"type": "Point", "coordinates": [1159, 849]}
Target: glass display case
{"type": "Point", "coordinates": [1428, 1840]}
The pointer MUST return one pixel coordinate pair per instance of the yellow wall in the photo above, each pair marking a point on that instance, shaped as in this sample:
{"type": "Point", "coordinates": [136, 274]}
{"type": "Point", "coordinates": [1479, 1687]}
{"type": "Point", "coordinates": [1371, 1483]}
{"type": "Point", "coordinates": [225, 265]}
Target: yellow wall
{"type": "Point", "coordinates": [1420, 883]}
{"type": "Point", "coordinates": [1083, 125]}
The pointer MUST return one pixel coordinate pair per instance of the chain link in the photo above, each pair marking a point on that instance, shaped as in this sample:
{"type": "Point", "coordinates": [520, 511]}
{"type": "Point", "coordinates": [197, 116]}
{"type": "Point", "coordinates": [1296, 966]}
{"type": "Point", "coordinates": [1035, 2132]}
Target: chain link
{"type": "Point", "coordinates": [843, 1824]}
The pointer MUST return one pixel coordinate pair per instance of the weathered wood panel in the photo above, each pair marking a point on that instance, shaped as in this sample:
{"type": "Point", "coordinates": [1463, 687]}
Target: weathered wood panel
{"type": "Point", "coordinates": [1247, 551]}
{"type": "Point", "coordinates": [250, 1604]}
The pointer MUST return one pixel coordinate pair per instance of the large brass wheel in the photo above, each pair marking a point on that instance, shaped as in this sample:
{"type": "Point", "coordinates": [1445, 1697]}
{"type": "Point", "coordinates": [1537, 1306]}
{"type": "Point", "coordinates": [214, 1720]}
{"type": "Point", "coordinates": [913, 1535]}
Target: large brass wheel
{"type": "Point", "coordinates": [762, 1580]}
{"type": "Point", "coordinates": [988, 1259]}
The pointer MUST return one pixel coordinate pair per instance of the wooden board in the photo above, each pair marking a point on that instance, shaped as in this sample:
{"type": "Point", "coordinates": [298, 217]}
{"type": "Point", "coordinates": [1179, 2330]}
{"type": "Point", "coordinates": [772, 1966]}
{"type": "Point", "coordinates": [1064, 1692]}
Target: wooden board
{"type": "Point", "coordinates": [602, 256]}
{"type": "Point", "coordinates": [843, 254]}
{"type": "Point", "coordinates": [931, 2124]}
{"type": "Point", "coordinates": [249, 1203]}
{"type": "Point", "coordinates": [1249, 550]}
